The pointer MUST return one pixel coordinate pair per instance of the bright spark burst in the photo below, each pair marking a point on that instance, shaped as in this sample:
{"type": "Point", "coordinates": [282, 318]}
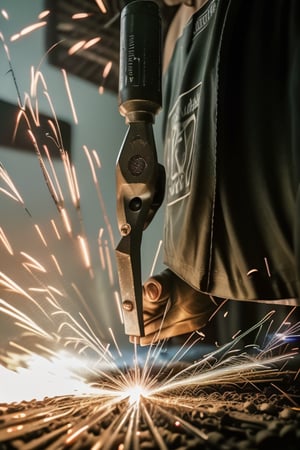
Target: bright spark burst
{"type": "Point", "coordinates": [135, 393]}
{"type": "Point", "coordinates": [125, 397]}
{"type": "Point", "coordinates": [59, 353]}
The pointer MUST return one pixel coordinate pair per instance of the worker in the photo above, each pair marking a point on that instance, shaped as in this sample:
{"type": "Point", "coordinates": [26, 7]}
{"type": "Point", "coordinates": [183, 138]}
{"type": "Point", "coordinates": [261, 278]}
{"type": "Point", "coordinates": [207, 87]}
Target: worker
{"type": "Point", "coordinates": [231, 128]}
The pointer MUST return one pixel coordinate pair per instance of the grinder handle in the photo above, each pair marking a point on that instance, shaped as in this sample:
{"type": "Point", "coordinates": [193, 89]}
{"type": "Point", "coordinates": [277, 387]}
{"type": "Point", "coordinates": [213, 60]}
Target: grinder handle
{"type": "Point", "coordinates": [140, 96]}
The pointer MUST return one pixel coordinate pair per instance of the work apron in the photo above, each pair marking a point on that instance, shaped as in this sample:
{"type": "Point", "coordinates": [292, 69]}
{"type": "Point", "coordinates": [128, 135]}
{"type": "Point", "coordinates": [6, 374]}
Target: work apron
{"type": "Point", "coordinates": [231, 133]}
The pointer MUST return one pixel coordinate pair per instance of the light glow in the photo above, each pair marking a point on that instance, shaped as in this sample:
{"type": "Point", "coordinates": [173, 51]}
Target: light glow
{"type": "Point", "coordinates": [43, 376]}
{"type": "Point", "coordinates": [134, 393]}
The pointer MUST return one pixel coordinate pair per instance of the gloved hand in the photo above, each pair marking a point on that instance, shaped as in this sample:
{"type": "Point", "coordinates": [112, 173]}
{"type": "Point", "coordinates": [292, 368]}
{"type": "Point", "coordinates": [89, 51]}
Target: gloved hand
{"type": "Point", "coordinates": [171, 308]}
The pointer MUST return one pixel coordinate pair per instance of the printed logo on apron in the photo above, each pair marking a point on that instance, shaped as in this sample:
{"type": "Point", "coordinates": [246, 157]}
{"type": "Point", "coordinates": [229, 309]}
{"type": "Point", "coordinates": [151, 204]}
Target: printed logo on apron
{"type": "Point", "coordinates": [180, 145]}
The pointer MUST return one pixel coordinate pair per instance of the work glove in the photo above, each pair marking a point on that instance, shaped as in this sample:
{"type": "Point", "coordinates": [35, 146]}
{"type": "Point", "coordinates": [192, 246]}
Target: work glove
{"type": "Point", "coordinates": [172, 308]}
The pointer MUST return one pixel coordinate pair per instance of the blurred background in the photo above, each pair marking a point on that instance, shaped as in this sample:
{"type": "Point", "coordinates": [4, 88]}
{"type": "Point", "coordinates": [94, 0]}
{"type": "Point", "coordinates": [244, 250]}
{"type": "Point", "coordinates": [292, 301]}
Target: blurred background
{"type": "Point", "coordinates": [92, 76]}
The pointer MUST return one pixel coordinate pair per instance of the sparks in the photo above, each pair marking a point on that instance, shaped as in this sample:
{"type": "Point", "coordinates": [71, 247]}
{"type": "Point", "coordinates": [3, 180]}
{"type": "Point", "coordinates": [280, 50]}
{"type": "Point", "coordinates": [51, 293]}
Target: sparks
{"type": "Point", "coordinates": [66, 220]}
{"type": "Point", "coordinates": [80, 16]}
{"type": "Point", "coordinates": [70, 96]}
{"type": "Point", "coordinates": [65, 348]}
{"type": "Point", "coordinates": [85, 251]}
{"type": "Point", "coordinates": [91, 42]}
{"type": "Point", "coordinates": [135, 393]}
{"type": "Point", "coordinates": [107, 69]}
{"type": "Point", "coordinates": [102, 6]}
{"type": "Point", "coordinates": [44, 14]}
{"type": "Point", "coordinates": [76, 47]}
{"type": "Point", "coordinates": [5, 14]}
{"type": "Point", "coordinates": [27, 30]}
{"type": "Point", "coordinates": [5, 242]}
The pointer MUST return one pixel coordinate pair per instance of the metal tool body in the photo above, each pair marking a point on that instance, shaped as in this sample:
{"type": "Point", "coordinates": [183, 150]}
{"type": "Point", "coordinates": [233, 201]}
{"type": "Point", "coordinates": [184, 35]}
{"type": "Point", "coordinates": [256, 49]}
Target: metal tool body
{"type": "Point", "coordinates": [139, 177]}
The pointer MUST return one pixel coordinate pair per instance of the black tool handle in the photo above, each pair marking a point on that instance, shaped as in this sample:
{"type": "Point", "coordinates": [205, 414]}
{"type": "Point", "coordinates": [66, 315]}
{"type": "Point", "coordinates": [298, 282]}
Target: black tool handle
{"type": "Point", "coordinates": [140, 61]}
